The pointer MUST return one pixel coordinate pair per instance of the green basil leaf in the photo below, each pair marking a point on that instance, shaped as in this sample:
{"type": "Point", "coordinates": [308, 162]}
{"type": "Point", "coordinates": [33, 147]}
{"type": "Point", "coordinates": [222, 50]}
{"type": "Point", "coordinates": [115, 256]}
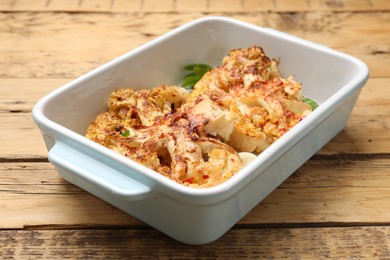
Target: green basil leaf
{"type": "Point", "coordinates": [190, 81]}
{"type": "Point", "coordinates": [190, 67]}
{"type": "Point", "coordinates": [198, 70]}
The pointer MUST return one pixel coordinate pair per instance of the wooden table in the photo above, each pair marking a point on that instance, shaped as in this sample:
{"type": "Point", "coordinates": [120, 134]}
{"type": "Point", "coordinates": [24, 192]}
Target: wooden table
{"type": "Point", "coordinates": [337, 205]}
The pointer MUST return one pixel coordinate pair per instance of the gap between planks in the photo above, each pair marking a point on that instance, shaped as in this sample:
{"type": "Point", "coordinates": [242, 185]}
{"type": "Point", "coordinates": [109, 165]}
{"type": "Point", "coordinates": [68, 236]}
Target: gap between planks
{"type": "Point", "coordinates": [141, 226]}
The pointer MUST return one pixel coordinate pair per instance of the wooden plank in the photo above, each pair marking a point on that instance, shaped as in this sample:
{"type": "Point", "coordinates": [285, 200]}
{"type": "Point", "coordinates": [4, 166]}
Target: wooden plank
{"type": "Point", "coordinates": [348, 5]}
{"type": "Point", "coordinates": [63, 45]}
{"type": "Point", "coordinates": [33, 194]}
{"type": "Point", "coordinates": [321, 191]}
{"type": "Point", "coordinates": [367, 128]}
{"type": "Point", "coordinates": [190, 5]}
{"type": "Point", "coordinates": [193, 5]}
{"type": "Point", "coordinates": [126, 6]}
{"type": "Point", "coordinates": [158, 6]}
{"type": "Point", "coordinates": [19, 95]}
{"type": "Point", "coordinates": [21, 138]}
{"type": "Point", "coordinates": [17, 5]}
{"type": "Point", "coordinates": [338, 191]}
{"type": "Point", "coordinates": [293, 243]}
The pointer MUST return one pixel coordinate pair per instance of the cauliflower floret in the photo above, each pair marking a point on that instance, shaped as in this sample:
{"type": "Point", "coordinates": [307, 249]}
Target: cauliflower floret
{"type": "Point", "coordinates": [210, 118]}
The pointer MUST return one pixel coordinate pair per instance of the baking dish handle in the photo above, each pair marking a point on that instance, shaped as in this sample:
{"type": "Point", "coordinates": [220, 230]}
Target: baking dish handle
{"type": "Point", "coordinates": [93, 175]}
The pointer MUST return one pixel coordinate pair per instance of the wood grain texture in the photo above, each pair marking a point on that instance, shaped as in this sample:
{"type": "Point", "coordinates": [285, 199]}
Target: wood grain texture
{"type": "Point", "coordinates": [35, 47]}
{"type": "Point", "coordinates": [292, 243]}
{"type": "Point", "coordinates": [33, 194]}
{"type": "Point", "coordinates": [112, 6]}
{"type": "Point", "coordinates": [321, 191]}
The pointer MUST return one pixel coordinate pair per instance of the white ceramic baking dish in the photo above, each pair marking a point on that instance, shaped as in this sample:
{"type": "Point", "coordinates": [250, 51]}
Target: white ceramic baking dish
{"type": "Point", "coordinates": [195, 216]}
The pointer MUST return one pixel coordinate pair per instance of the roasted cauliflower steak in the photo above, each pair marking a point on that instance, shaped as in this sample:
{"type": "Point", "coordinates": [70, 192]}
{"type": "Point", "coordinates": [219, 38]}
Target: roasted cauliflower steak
{"type": "Point", "coordinates": [203, 138]}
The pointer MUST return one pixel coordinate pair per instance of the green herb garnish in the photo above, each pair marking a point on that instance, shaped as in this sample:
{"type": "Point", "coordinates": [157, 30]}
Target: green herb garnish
{"type": "Point", "coordinates": [311, 103]}
{"type": "Point", "coordinates": [126, 133]}
{"type": "Point", "coordinates": [197, 72]}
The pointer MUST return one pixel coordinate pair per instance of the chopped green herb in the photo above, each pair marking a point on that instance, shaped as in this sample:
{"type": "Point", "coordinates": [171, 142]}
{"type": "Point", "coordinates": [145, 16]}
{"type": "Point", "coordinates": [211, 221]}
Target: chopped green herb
{"type": "Point", "coordinates": [126, 133]}
{"type": "Point", "coordinates": [197, 72]}
{"type": "Point", "coordinates": [311, 103]}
